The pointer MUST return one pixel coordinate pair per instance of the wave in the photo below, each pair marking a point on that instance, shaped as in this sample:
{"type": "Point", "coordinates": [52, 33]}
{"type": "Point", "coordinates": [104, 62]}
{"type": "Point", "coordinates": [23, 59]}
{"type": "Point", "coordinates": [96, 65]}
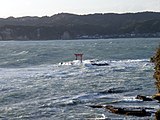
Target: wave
{"type": "Point", "coordinates": [20, 53]}
{"type": "Point", "coordinates": [115, 65]}
{"type": "Point", "coordinates": [132, 60]}
{"type": "Point", "coordinates": [18, 61]}
{"type": "Point", "coordinates": [89, 61]}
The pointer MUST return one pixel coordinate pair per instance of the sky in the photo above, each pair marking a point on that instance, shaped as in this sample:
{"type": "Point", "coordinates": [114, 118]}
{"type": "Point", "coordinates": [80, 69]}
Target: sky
{"type": "Point", "coordinates": [19, 8]}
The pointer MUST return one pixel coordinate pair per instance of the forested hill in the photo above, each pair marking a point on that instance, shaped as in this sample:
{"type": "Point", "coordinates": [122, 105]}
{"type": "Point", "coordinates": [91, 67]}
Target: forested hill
{"type": "Point", "coordinates": [71, 26]}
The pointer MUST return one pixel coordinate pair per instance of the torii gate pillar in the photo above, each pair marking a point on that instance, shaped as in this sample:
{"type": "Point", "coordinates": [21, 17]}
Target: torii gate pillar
{"type": "Point", "coordinates": [79, 57]}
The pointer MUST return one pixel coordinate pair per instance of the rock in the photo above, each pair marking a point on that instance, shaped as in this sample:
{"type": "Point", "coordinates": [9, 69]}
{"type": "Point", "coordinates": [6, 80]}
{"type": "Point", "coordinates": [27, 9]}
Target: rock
{"type": "Point", "coordinates": [96, 106]}
{"type": "Point", "coordinates": [157, 115]}
{"type": "Point", "coordinates": [157, 83]}
{"type": "Point", "coordinates": [129, 111]}
{"type": "Point", "coordinates": [100, 64]}
{"type": "Point", "coordinates": [117, 90]}
{"type": "Point", "coordinates": [140, 112]}
{"type": "Point", "coordinates": [157, 97]}
{"type": "Point", "coordinates": [144, 98]}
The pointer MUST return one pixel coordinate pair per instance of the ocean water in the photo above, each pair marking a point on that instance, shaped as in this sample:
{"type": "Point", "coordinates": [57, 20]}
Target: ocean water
{"type": "Point", "coordinates": [34, 86]}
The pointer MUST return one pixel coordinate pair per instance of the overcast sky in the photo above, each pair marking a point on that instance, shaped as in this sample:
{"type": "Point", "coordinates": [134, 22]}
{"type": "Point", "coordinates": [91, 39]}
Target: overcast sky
{"type": "Point", "coordinates": [18, 8]}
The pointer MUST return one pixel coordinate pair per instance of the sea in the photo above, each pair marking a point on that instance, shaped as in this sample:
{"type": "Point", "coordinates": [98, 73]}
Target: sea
{"type": "Point", "coordinates": [35, 85]}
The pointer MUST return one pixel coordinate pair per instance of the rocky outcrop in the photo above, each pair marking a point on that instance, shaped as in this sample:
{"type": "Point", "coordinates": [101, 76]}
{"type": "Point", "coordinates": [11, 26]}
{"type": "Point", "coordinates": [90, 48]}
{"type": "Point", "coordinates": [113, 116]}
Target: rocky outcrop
{"type": "Point", "coordinates": [156, 60]}
{"type": "Point", "coordinates": [157, 96]}
{"type": "Point", "coordinates": [138, 111]}
{"type": "Point", "coordinates": [157, 114]}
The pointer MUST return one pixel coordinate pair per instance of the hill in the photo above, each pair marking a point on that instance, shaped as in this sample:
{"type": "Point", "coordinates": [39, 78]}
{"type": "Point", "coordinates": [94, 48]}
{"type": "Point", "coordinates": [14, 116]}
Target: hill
{"type": "Point", "coordinates": [71, 26]}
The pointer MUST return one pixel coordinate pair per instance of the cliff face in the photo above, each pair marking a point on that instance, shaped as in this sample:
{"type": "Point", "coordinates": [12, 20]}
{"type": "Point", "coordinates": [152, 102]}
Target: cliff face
{"type": "Point", "coordinates": [156, 60]}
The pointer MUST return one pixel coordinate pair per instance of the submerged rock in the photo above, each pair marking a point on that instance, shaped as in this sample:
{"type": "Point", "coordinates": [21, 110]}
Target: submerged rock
{"type": "Point", "coordinates": [117, 90]}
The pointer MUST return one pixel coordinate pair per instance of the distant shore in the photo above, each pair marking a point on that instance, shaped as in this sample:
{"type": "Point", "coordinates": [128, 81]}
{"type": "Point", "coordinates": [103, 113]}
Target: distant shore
{"type": "Point", "coordinates": [67, 26]}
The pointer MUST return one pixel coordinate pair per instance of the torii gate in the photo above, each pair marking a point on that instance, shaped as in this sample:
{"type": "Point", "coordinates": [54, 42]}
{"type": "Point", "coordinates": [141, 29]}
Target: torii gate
{"type": "Point", "coordinates": [79, 57]}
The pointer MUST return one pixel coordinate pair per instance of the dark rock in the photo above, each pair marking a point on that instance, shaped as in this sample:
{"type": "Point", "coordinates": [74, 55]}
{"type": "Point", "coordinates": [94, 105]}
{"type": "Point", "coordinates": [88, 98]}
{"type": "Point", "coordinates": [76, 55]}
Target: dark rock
{"type": "Point", "coordinates": [96, 106]}
{"type": "Point", "coordinates": [100, 64]}
{"type": "Point", "coordinates": [140, 112]}
{"type": "Point", "coordinates": [117, 90]}
{"type": "Point", "coordinates": [144, 98]}
{"type": "Point", "coordinates": [128, 111]}
{"type": "Point", "coordinates": [157, 115]}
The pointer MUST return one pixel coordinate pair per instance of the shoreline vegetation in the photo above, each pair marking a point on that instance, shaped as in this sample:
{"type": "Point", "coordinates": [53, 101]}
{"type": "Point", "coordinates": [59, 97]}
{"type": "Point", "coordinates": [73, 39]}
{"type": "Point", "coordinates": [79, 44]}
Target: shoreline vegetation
{"type": "Point", "coordinates": [66, 26]}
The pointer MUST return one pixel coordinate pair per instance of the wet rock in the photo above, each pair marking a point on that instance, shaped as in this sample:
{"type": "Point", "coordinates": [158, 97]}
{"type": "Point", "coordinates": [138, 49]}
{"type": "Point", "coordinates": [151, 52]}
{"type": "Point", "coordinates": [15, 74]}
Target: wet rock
{"type": "Point", "coordinates": [144, 98]}
{"type": "Point", "coordinates": [129, 111]}
{"type": "Point", "coordinates": [96, 106]}
{"type": "Point", "coordinates": [140, 112]}
{"type": "Point", "coordinates": [100, 64]}
{"type": "Point", "coordinates": [117, 90]}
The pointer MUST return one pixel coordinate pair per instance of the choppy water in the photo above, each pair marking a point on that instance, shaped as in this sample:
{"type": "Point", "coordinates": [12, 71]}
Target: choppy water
{"type": "Point", "coordinates": [34, 86]}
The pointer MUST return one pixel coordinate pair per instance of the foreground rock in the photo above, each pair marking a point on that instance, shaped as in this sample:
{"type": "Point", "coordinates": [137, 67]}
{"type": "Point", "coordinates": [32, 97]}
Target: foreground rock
{"type": "Point", "coordinates": [156, 60]}
{"type": "Point", "coordinates": [139, 112]}
{"type": "Point", "coordinates": [157, 97]}
{"type": "Point", "coordinates": [157, 114]}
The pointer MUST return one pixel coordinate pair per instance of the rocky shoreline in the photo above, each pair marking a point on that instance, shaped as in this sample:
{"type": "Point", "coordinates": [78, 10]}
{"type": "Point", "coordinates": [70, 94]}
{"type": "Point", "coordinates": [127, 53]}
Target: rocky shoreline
{"type": "Point", "coordinates": [130, 111]}
{"type": "Point", "coordinates": [156, 60]}
{"type": "Point", "coordinates": [140, 111]}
